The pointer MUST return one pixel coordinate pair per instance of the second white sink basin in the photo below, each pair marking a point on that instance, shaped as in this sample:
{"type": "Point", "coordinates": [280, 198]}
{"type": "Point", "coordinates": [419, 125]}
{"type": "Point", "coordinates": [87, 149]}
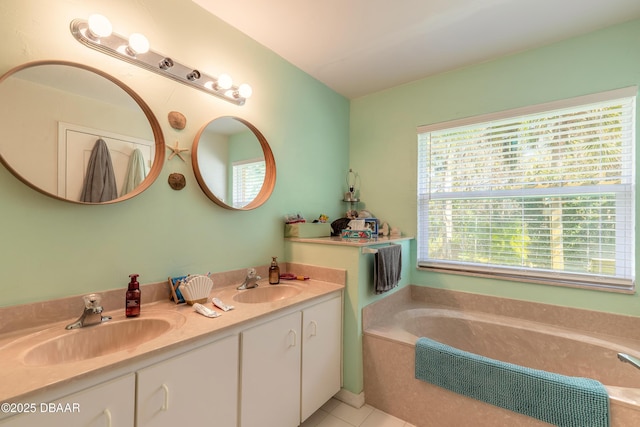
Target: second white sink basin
{"type": "Point", "coordinates": [269, 293]}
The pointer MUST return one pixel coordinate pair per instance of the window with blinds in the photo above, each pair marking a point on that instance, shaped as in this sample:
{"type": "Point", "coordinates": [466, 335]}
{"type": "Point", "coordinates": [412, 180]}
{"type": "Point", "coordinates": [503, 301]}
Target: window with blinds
{"type": "Point", "coordinates": [248, 177]}
{"type": "Point", "coordinates": [543, 194]}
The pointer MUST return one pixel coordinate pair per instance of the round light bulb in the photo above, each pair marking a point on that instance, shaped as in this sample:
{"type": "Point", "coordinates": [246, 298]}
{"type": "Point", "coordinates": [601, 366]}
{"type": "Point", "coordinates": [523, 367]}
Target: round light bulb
{"type": "Point", "coordinates": [224, 81]}
{"type": "Point", "coordinates": [245, 90]}
{"type": "Point", "coordinates": [138, 43]}
{"type": "Point", "coordinates": [209, 85]}
{"type": "Point", "coordinates": [99, 26]}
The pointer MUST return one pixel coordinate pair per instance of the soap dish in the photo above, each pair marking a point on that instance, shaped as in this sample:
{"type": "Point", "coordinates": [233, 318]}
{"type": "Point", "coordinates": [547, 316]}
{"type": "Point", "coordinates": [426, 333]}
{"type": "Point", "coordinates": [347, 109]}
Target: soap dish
{"type": "Point", "coordinates": [196, 289]}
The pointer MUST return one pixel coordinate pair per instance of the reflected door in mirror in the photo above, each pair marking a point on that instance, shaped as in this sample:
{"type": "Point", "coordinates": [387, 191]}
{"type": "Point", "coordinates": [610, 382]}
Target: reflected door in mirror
{"type": "Point", "coordinates": [75, 144]}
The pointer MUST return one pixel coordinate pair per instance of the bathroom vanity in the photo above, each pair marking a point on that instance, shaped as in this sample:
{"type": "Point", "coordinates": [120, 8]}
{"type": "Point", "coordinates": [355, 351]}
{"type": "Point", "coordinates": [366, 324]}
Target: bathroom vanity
{"type": "Point", "coordinates": [270, 362]}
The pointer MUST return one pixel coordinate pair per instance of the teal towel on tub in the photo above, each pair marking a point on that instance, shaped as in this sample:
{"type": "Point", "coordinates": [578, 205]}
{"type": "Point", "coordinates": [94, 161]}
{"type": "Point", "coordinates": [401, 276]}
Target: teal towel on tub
{"type": "Point", "coordinates": [557, 399]}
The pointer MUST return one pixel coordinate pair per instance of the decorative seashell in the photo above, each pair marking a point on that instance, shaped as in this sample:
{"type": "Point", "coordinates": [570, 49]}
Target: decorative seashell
{"type": "Point", "coordinates": [196, 289]}
{"type": "Point", "coordinates": [177, 120]}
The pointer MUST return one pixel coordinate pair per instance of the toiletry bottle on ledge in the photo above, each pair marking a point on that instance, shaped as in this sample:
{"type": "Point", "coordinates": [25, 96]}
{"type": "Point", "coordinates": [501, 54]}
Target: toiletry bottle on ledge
{"type": "Point", "coordinates": [274, 272]}
{"type": "Point", "coordinates": [132, 308]}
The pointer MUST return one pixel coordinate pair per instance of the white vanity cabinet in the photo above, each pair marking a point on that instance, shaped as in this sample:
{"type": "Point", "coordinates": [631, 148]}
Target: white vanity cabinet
{"type": "Point", "coordinates": [291, 366]}
{"type": "Point", "coordinates": [270, 367]}
{"type": "Point", "coordinates": [321, 354]}
{"type": "Point", "coordinates": [199, 387]}
{"type": "Point", "coordinates": [110, 404]}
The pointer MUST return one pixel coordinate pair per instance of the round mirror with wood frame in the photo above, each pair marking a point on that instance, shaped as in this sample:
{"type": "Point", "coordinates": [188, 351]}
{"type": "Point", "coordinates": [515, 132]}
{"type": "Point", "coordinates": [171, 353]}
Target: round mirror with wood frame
{"type": "Point", "coordinates": [55, 117]}
{"type": "Point", "coordinates": [233, 163]}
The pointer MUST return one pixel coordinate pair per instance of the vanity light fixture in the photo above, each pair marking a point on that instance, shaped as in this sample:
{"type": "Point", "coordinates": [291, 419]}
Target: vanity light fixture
{"type": "Point", "coordinates": [244, 91]}
{"type": "Point", "coordinates": [138, 44]}
{"type": "Point", "coordinates": [194, 75]}
{"type": "Point", "coordinates": [99, 26]}
{"type": "Point", "coordinates": [96, 32]}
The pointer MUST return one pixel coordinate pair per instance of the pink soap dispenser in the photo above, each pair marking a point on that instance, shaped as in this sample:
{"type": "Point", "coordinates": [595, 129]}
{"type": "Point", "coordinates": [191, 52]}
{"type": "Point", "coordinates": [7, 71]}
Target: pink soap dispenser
{"type": "Point", "coordinates": [132, 307]}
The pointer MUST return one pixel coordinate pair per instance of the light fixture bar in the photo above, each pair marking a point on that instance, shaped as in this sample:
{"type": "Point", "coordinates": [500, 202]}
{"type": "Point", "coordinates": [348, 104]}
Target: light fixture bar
{"type": "Point", "coordinates": [122, 48]}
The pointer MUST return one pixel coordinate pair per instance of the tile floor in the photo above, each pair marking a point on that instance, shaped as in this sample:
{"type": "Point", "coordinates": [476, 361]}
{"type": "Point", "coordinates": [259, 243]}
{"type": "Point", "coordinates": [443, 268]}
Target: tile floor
{"type": "Point", "coordinates": [338, 414]}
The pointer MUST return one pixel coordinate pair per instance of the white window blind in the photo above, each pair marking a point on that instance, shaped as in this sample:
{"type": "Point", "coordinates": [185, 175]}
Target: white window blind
{"type": "Point", "coordinates": [541, 194]}
{"type": "Point", "coordinates": [248, 177]}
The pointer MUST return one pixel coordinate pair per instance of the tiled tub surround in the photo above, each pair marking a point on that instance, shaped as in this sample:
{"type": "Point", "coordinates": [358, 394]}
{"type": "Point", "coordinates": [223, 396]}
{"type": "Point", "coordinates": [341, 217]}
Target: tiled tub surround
{"type": "Point", "coordinates": [20, 382]}
{"type": "Point", "coordinates": [557, 339]}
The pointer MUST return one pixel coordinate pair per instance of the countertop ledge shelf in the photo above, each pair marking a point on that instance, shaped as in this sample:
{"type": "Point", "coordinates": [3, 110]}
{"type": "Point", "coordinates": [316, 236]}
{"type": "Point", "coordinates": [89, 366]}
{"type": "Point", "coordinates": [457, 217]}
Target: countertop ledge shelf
{"type": "Point", "coordinates": [339, 241]}
{"type": "Point", "coordinates": [21, 382]}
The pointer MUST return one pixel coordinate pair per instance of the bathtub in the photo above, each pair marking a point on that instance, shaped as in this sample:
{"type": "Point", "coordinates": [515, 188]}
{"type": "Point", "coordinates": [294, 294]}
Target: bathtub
{"type": "Point", "coordinates": [392, 325]}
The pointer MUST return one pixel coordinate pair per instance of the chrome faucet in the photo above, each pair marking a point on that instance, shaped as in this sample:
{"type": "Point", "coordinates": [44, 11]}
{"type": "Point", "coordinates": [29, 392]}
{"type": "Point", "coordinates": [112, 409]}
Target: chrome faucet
{"type": "Point", "coordinates": [92, 314]}
{"type": "Point", "coordinates": [251, 281]}
{"type": "Point", "coordinates": [634, 361]}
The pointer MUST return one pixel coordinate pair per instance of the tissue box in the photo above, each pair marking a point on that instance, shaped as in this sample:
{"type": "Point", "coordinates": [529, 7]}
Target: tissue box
{"type": "Point", "coordinates": [311, 229]}
{"type": "Point", "coordinates": [355, 234]}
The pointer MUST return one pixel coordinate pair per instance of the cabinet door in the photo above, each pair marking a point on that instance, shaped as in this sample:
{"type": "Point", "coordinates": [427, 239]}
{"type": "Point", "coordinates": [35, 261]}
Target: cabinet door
{"type": "Point", "coordinates": [110, 404]}
{"type": "Point", "coordinates": [271, 374]}
{"type": "Point", "coordinates": [321, 354]}
{"type": "Point", "coordinates": [199, 387]}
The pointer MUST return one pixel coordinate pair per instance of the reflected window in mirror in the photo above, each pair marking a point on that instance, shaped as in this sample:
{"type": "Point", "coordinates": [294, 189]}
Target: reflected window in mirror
{"type": "Point", "coordinates": [248, 177]}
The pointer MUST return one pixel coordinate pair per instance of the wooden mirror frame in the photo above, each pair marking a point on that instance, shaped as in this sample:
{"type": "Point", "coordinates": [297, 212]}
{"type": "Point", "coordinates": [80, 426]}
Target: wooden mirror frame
{"type": "Point", "coordinates": [158, 160]}
{"type": "Point", "coordinates": [270, 169]}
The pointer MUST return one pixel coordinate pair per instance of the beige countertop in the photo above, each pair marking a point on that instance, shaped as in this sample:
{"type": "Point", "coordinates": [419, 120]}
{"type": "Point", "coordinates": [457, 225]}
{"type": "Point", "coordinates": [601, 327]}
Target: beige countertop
{"type": "Point", "coordinates": [19, 381]}
{"type": "Point", "coordinates": [337, 240]}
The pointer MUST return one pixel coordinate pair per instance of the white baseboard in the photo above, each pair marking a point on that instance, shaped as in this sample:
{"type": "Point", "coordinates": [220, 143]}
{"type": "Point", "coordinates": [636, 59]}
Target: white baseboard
{"type": "Point", "coordinates": [351, 399]}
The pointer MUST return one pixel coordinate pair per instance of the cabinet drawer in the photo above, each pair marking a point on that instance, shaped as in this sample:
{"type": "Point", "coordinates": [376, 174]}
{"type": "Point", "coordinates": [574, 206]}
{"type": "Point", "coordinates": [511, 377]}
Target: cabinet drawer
{"type": "Point", "coordinates": [109, 404]}
{"type": "Point", "coordinates": [191, 388]}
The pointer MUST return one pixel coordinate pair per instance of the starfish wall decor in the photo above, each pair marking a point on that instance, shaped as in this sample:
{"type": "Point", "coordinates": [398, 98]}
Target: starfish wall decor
{"type": "Point", "coordinates": [175, 151]}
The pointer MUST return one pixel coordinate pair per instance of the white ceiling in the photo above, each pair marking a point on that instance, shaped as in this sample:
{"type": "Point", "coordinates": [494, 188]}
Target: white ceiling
{"type": "Point", "coordinates": [357, 47]}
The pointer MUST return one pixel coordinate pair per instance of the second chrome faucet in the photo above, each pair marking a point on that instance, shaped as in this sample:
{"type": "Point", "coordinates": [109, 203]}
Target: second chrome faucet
{"type": "Point", "coordinates": [251, 281]}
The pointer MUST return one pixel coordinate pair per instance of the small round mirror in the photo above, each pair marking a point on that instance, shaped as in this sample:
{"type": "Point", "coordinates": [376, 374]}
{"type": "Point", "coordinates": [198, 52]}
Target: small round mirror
{"type": "Point", "coordinates": [77, 134]}
{"type": "Point", "coordinates": [233, 163]}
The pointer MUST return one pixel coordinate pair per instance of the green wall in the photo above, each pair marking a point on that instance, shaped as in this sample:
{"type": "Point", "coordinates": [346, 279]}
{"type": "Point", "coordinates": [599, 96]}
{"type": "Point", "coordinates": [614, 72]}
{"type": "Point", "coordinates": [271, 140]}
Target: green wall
{"type": "Point", "coordinates": [51, 249]}
{"type": "Point", "coordinates": [383, 139]}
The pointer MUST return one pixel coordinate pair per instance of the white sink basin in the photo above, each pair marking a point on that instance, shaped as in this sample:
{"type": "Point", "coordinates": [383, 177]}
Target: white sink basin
{"type": "Point", "coordinates": [57, 345]}
{"type": "Point", "coordinates": [268, 293]}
